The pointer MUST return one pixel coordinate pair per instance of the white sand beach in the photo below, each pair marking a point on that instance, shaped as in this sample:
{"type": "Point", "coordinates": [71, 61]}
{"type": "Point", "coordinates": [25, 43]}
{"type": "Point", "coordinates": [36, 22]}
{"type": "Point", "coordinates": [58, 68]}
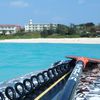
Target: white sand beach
{"type": "Point", "coordinates": [54, 40]}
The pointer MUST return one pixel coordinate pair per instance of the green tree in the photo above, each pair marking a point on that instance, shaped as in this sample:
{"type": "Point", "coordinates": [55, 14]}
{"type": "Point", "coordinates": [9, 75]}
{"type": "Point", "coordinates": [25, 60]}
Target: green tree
{"type": "Point", "coordinates": [51, 30]}
{"type": "Point", "coordinates": [90, 24]}
{"type": "Point", "coordinates": [44, 33]}
{"type": "Point", "coordinates": [72, 29]}
{"type": "Point", "coordinates": [4, 32]}
{"type": "Point", "coordinates": [62, 29]}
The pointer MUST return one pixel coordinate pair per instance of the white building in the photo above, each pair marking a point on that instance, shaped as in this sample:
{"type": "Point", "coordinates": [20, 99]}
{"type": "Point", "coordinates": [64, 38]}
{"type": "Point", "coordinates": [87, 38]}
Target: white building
{"type": "Point", "coordinates": [30, 27]}
{"type": "Point", "coordinates": [9, 29]}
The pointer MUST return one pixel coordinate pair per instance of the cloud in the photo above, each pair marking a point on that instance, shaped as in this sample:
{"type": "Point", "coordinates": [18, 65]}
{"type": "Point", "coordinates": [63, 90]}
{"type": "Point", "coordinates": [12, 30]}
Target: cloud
{"type": "Point", "coordinates": [18, 4]}
{"type": "Point", "coordinates": [81, 1]}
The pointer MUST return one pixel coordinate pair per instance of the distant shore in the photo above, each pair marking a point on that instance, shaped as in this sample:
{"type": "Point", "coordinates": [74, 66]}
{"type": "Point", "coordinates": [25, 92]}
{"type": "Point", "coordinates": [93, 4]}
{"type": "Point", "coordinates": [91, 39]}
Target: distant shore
{"type": "Point", "coordinates": [54, 40]}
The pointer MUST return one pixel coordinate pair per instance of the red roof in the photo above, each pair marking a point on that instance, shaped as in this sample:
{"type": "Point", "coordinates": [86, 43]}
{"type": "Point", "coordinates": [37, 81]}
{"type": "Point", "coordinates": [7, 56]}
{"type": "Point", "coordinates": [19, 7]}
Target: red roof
{"type": "Point", "coordinates": [9, 25]}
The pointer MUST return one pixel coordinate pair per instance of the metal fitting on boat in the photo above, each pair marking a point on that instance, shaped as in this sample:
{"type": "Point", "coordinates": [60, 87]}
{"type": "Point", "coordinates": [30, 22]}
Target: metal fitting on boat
{"type": "Point", "coordinates": [2, 96]}
{"type": "Point", "coordinates": [10, 93]}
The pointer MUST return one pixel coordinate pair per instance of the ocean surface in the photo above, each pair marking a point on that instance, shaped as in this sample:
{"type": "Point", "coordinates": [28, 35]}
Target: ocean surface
{"type": "Point", "coordinates": [20, 59]}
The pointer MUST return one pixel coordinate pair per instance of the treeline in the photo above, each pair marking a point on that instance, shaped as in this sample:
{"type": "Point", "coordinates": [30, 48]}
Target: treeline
{"type": "Point", "coordinates": [81, 30]}
{"type": "Point", "coordinates": [60, 31]}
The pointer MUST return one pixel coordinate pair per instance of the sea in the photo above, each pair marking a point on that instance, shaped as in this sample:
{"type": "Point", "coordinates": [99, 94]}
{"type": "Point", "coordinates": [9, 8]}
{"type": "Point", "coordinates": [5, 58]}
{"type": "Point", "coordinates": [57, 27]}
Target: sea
{"type": "Point", "coordinates": [18, 59]}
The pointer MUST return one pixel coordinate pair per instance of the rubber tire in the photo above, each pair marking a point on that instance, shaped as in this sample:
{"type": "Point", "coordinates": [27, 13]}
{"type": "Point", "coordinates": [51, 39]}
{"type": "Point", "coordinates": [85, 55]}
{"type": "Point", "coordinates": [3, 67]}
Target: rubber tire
{"type": "Point", "coordinates": [32, 77]}
{"type": "Point", "coordinates": [7, 94]}
{"type": "Point", "coordinates": [24, 83]}
{"type": "Point", "coordinates": [23, 89]}
{"type": "Point", "coordinates": [2, 96]}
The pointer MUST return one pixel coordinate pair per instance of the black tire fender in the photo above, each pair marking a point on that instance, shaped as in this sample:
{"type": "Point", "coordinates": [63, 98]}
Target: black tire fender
{"type": "Point", "coordinates": [34, 81]}
{"type": "Point", "coordinates": [2, 96]}
{"type": "Point", "coordinates": [30, 88]}
{"type": "Point", "coordinates": [8, 91]}
{"type": "Point", "coordinates": [22, 92]}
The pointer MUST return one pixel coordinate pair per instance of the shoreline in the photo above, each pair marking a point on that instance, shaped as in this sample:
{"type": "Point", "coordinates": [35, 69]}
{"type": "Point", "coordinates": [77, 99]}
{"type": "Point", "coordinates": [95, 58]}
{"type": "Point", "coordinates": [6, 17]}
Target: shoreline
{"type": "Point", "coordinates": [54, 40]}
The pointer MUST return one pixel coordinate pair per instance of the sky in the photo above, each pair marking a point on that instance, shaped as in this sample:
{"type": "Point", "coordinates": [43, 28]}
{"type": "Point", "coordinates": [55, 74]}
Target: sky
{"type": "Point", "coordinates": [49, 11]}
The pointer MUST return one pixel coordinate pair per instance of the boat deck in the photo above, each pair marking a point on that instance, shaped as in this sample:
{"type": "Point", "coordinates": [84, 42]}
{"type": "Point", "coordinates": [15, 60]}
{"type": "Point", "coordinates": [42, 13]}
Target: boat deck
{"type": "Point", "coordinates": [76, 79]}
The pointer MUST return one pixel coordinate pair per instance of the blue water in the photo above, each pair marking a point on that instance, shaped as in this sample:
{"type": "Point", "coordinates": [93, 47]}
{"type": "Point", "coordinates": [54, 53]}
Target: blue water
{"type": "Point", "coordinates": [19, 59]}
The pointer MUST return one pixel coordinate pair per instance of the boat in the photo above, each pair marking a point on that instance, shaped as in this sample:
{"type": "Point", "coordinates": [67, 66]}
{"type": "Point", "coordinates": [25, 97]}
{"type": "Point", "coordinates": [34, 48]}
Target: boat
{"type": "Point", "coordinates": [62, 81]}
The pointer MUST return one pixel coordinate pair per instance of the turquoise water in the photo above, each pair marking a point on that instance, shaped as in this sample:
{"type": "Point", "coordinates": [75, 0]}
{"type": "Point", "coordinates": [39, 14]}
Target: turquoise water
{"type": "Point", "coordinates": [19, 59]}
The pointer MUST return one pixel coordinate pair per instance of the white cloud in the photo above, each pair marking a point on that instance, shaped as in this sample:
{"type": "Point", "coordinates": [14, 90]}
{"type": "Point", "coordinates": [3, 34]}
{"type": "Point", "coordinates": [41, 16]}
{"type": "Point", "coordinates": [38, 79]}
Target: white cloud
{"type": "Point", "coordinates": [19, 3]}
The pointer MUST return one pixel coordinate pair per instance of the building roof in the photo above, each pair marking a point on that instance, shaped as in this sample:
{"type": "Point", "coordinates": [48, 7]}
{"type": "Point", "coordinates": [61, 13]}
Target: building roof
{"type": "Point", "coordinates": [9, 25]}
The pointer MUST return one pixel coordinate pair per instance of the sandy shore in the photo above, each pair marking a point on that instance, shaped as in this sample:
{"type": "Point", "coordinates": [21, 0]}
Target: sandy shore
{"type": "Point", "coordinates": [54, 40]}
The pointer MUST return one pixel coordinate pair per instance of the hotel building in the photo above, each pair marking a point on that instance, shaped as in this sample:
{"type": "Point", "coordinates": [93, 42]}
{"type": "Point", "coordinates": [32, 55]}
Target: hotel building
{"type": "Point", "coordinates": [9, 29]}
{"type": "Point", "coordinates": [30, 27]}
